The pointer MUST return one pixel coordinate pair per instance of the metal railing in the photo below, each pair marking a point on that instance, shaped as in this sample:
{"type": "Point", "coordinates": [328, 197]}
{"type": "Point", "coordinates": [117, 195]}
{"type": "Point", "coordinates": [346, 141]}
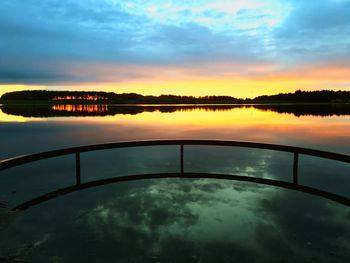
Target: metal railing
{"type": "Point", "coordinates": [296, 151]}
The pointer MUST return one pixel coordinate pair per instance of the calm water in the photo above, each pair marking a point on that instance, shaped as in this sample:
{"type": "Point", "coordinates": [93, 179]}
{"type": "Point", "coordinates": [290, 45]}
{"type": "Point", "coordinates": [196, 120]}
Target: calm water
{"type": "Point", "coordinates": [174, 220]}
{"type": "Point", "coordinates": [26, 129]}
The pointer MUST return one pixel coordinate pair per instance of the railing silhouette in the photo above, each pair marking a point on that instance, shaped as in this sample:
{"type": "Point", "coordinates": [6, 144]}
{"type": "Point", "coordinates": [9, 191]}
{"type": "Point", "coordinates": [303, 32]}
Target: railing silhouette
{"type": "Point", "coordinates": [296, 151]}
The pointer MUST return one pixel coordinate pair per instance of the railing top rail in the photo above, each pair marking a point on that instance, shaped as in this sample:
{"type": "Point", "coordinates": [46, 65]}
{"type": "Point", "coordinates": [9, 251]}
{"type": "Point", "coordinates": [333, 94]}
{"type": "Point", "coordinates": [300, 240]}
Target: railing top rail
{"type": "Point", "coordinates": [19, 160]}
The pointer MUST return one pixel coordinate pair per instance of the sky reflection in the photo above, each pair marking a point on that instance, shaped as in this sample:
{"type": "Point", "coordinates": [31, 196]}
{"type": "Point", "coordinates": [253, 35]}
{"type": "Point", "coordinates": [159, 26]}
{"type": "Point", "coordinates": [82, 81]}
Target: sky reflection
{"type": "Point", "coordinates": [249, 124]}
{"type": "Point", "coordinates": [183, 219]}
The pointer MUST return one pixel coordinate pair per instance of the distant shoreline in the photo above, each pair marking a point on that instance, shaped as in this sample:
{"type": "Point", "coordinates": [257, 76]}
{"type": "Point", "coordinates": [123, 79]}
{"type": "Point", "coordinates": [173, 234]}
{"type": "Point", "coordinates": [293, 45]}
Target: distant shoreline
{"type": "Point", "coordinates": [44, 97]}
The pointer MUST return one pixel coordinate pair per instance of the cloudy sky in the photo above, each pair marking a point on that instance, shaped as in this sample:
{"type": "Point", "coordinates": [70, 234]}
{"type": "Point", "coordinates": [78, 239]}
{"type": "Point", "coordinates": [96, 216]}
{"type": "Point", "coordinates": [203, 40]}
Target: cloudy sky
{"type": "Point", "coordinates": [242, 48]}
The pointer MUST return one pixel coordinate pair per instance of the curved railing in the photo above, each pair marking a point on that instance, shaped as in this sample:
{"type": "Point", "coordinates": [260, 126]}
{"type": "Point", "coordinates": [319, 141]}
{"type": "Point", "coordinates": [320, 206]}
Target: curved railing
{"type": "Point", "coordinates": [296, 151]}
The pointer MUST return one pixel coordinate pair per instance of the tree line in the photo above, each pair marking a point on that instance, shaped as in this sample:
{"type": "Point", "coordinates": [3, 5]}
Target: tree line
{"type": "Point", "coordinates": [322, 96]}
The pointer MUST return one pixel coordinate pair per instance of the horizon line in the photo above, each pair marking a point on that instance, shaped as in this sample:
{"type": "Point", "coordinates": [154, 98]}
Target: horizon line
{"type": "Point", "coordinates": [186, 96]}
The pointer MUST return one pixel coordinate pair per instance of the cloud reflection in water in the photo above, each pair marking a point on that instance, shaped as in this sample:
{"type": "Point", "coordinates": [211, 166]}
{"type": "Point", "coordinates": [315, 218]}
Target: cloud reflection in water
{"type": "Point", "coordinates": [182, 220]}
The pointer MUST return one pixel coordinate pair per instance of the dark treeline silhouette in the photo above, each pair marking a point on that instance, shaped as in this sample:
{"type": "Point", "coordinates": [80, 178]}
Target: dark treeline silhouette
{"type": "Point", "coordinates": [110, 98]}
{"type": "Point", "coordinates": [44, 111]}
{"type": "Point", "coordinates": [46, 95]}
{"type": "Point", "coordinates": [321, 96]}
{"type": "Point", "coordinates": [92, 97]}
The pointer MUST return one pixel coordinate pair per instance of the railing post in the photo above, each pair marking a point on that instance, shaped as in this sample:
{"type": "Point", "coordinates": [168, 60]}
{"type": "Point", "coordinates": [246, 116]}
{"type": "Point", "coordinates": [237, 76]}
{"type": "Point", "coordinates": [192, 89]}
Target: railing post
{"type": "Point", "coordinates": [182, 158]}
{"type": "Point", "coordinates": [295, 167]}
{"type": "Point", "coordinates": [77, 167]}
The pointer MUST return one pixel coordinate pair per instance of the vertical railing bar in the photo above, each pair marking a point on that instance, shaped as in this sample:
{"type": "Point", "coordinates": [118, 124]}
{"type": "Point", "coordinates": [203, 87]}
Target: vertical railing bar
{"type": "Point", "coordinates": [295, 167]}
{"type": "Point", "coordinates": [77, 167]}
{"type": "Point", "coordinates": [182, 158]}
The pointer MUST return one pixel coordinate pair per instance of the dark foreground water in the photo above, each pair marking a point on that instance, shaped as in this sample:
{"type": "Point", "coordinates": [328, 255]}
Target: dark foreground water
{"type": "Point", "coordinates": [174, 219]}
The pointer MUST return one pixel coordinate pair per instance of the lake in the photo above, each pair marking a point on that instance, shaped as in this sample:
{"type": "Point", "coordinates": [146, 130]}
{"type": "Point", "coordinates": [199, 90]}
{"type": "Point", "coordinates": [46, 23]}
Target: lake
{"type": "Point", "coordinates": [174, 219]}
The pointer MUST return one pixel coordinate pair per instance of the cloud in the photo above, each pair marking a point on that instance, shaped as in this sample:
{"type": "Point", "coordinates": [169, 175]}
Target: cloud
{"type": "Point", "coordinates": [65, 42]}
{"type": "Point", "coordinates": [54, 33]}
{"type": "Point", "coordinates": [32, 76]}
{"type": "Point", "coordinates": [320, 15]}
{"type": "Point", "coordinates": [63, 29]}
{"type": "Point", "coordinates": [315, 31]}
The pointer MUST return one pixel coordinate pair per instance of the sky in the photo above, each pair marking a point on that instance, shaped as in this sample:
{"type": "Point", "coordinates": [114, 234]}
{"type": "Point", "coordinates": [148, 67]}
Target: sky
{"type": "Point", "coordinates": [242, 48]}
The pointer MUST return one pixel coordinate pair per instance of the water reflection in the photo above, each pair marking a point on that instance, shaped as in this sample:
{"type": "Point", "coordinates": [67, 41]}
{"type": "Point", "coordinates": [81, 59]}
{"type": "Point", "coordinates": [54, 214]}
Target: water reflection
{"type": "Point", "coordinates": [167, 220]}
{"type": "Point", "coordinates": [99, 108]}
{"type": "Point", "coordinates": [35, 135]}
{"type": "Point", "coordinates": [308, 109]}
{"type": "Point", "coordinates": [44, 111]}
{"type": "Point", "coordinates": [181, 220]}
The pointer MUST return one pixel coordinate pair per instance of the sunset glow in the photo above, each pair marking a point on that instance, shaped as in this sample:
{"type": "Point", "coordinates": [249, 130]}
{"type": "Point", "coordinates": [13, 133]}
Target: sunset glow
{"type": "Point", "coordinates": [239, 123]}
{"type": "Point", "coordinates": [236, 48]}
